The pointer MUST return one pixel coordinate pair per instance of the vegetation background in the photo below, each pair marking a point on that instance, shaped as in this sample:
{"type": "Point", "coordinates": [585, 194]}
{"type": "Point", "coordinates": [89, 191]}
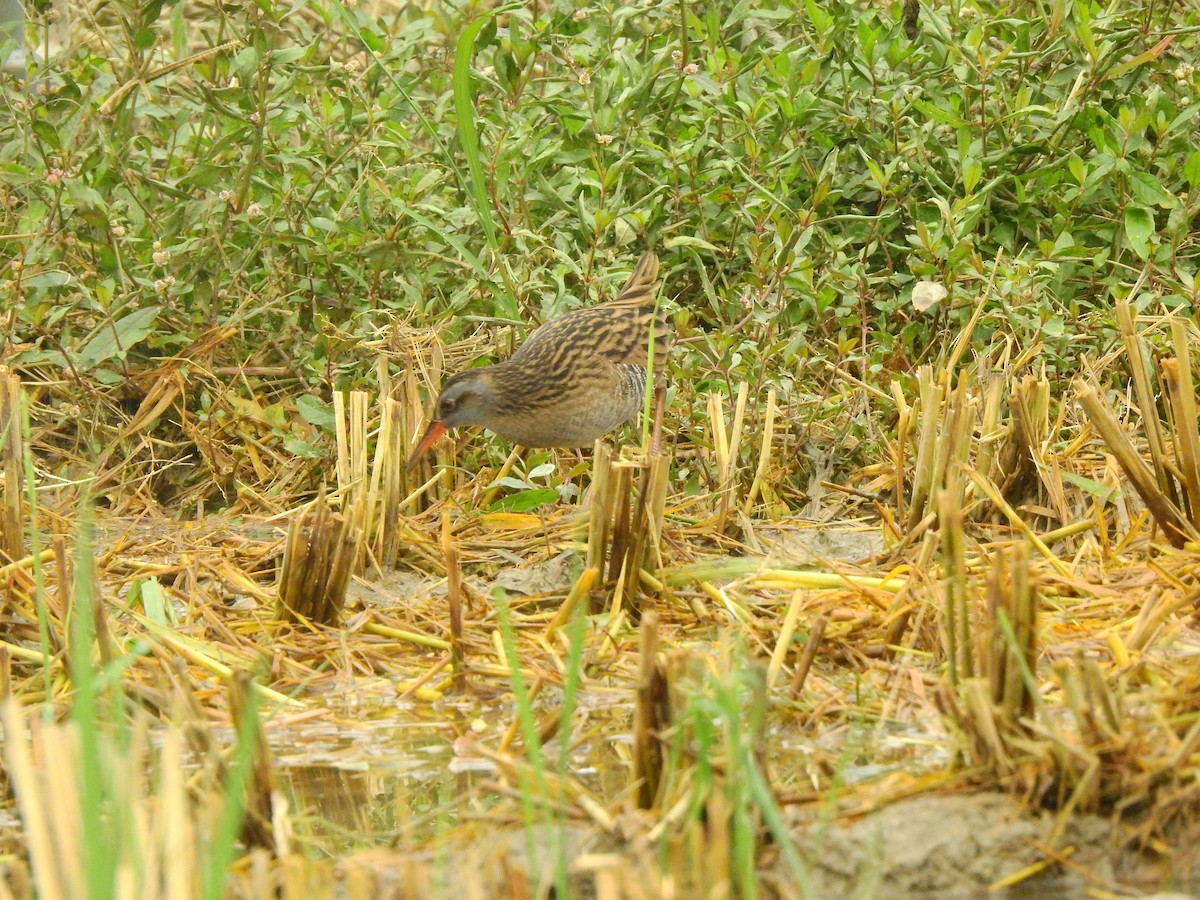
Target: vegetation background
{"type": "Point", "coordinates": [216, 218]}
{"type": "Point", "coordinates": [304, 173]}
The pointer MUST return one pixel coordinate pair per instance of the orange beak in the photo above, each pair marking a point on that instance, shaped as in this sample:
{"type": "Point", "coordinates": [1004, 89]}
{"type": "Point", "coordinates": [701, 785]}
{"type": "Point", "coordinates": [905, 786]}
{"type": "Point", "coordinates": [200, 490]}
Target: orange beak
{"type": "Point", "coordinates": [435, 430]}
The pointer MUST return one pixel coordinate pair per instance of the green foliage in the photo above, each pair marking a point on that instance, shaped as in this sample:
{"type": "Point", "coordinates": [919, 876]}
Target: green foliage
{"type": "Point", "coordinates": [800, 166]}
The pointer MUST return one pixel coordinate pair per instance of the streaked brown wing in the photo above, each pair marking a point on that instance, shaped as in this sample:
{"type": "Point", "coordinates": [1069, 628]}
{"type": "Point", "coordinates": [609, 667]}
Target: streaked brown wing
{"type": "Point", "coordinates": [618, 331]}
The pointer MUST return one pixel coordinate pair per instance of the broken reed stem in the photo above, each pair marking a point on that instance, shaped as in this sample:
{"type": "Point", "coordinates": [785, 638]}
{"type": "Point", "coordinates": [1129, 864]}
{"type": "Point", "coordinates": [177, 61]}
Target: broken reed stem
{"type": "Point", "coordinates": [957, 625]}
{"type": "Point", "coordinates": [637, 533]}
{"type": "Point", "coordinates": [63, 575]}
{"type": "Point", "coordinates": [342, 439]}
{"type": "Point", "coordinates": [1175, 525]}
{"type": "Point", "coordinates": [352, 466]}
{"type": "Point", "coordinates": [42, 820]}
{"type": "Point", "coordinates": [400, 634]}
{"type": "Point", "coordinates": [993, 711]}
{"type": "Point", "coordinates": [354, 507]}
{"type": "Point", "coordinates": [653, 510]}
{"type": "Point", "coordinates": [815, 635]}
{"type": "Point", "coordinates": [1138, 355]}
{"type": "Point", "coordinates": [600, 502]}
{"type": "Point", "coordinates": [621, 490]}
{"type": "Point", "coordinates": [1009, 652]}
{"type": "Point", "coordinates": [579, 590]}
{"type": "Point", "coordinates": [900, 460]}
{"type": "Point", "coordinates": [764, 453]}
{"type": "Point", "coordinates": [1029, 414]}
{"type": "Point", "coordinates": [993, 397]}
{"type": "Point", "coordinates": [929, 420]}
{"type": "Point", "coordinates": [318, 561]}
{"type": "Point", "coordinates": [388, 485]}
{"type": "Point", "coordinates": [1017, 522]}
{"type": "Point", "coordinates": [1177, 382]}
{"type": "Point", "coordinates": [651, 715]}
{"type": "Point", "coordinates": [785, 637]}
{"type": "Point", "coordinates": [1177, 374]}
{"type": "Point", "coordinates": [454, 599]}
{"type": "Point", "coordinates": [726, 446]}
{"type": "Point", "coordinates": [259, 782]}
{"type": "Point", "coordinates": [954, 450]}
{"type": "Point", "coordinates": [12, 461]}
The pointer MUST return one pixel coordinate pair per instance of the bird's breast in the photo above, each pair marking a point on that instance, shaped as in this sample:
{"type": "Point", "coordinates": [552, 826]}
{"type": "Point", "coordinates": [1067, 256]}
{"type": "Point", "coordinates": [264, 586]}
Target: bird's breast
{"type": "Point", "coordinates": [576, 417]}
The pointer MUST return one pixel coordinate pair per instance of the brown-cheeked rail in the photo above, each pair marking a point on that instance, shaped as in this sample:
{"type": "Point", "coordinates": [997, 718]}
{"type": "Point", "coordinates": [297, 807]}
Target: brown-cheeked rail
{"type": "Point", "coordinates": [574, 380]}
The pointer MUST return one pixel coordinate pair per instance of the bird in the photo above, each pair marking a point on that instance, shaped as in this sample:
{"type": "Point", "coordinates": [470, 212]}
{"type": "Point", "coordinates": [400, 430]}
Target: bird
{"type": "Point", "coordinates": [575, 379]}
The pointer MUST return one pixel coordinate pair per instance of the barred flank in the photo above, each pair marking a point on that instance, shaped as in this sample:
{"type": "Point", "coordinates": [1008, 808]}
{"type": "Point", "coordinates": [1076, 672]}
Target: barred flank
{"type": "Point", "coordinates": [578, 353]}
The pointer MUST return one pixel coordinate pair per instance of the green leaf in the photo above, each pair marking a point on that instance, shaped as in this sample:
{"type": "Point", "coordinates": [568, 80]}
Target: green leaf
{"type": "Point", "coordinates": [1139, 226]}
{"type": "Point", "coordinates": [972, 171]}
{"type": "Point", "coordinates": [511, 481]}
{"type": "Point", "coordinates": [47, 133]}
{"type": "Point", "coordinates": [179, 31]}
{"type": "Point", "coordinates": [117, 337]}
{"type": "Point", "coordinates": [1147, 191]}
{"type": "Point", "coordinates": [85, 197]}
{"type": "Point", "coordinates": [148, 593]}
{"type": "Point", "coordinates": [938, 114]}
{"type": "Point", "coordinates": [303, 449]}
{"type": "Point", "coordinates": [525, 501]}
{"type": "Point", "coordinates": [683, 240]}
{"type": "Point", "coordinates": [1105, 493]}
{"type": "Point", "coordinates": [1191, 168]}
{"type": "Point", "coordinates": [314, 412]}
{"type": "Point", "coordinates": [464, 111]}
{"type": "Point", "coordinates": [47, 279]}
{"type": "Point", "coordinates": [1077, 168]}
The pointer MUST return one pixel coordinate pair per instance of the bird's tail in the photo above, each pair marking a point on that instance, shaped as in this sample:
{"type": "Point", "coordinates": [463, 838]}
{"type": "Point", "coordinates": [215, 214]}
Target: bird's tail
{"type": "Point", "coordinates": [642, 287]}
{"type": "Point", "coordinates": [639, 297]}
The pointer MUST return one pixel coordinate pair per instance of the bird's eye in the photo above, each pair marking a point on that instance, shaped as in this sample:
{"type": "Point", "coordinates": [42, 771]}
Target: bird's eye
{"type": "Point", "coordinates": [448, 404]}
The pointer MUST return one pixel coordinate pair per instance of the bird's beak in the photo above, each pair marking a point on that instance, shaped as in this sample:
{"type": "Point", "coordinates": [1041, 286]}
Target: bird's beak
{"type": "Point", "coordinates": [435, 430]}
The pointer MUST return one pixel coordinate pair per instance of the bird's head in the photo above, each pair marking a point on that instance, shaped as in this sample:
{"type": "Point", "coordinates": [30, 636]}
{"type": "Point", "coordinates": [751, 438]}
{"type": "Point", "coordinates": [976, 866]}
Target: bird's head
{"type": "Point", "coordinates": [466, 399]}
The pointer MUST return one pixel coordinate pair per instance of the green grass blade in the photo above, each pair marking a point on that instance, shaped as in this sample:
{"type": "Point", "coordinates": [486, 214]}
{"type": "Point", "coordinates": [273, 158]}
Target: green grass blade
{"type": "Point", "coordinates": [464, 111]}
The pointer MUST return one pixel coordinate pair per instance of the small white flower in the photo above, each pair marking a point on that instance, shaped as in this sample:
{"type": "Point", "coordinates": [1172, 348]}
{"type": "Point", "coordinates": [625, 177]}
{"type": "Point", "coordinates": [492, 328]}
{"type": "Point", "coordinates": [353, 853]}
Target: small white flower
{"type": "Point", "coordinates": [161, 257]}
{"type": "Point", "coordinates": [604, 139]}
{"type": "Point", "coordinates": [579, 15]}
{"type": "Point", "coordinates": [691, 69]}
{"type": "Point", "coordinates": [585, 77]}
{"type": "Point", "coordinates": [927, 293]}
{"type": "Point", "coordinates": [253, 211]}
